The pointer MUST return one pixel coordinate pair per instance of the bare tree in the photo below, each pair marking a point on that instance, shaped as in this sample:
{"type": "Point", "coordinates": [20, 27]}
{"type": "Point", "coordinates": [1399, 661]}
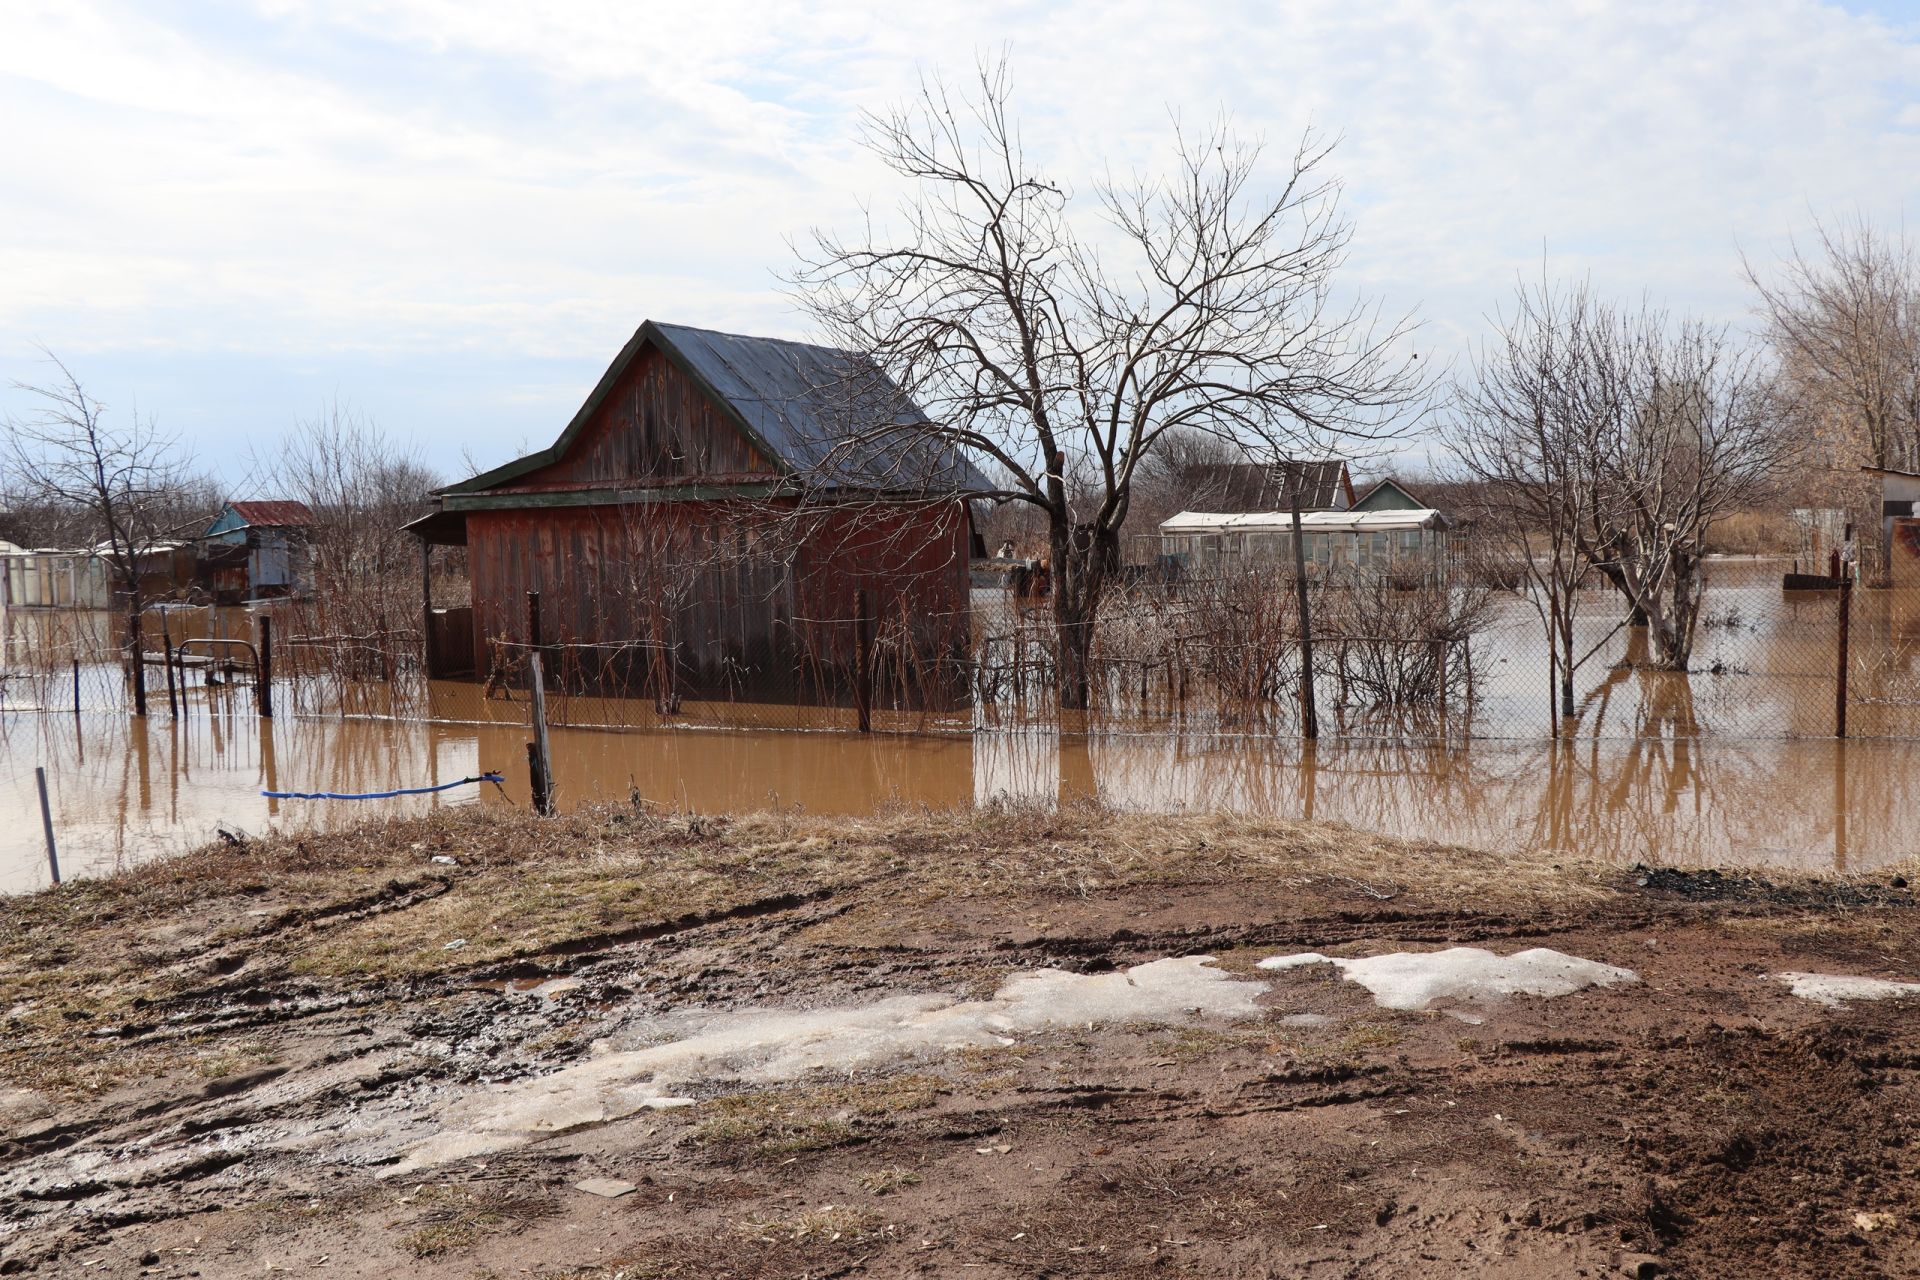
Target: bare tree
{"type": "Point", "coordinates": [1518, 432]}
{"type": "Point", "coordinates": [1688, 434]}
{"type": "Point", "coordinates": [1059, 354]}
{"type": "Point", "coordinates": [1611, 440]}
{"type": "Point", "coordinates": [1845, 318]}
{"type": "Point", "coordinates": [129, 480]}
{"type": "Point", "coordinates": [361, 487]}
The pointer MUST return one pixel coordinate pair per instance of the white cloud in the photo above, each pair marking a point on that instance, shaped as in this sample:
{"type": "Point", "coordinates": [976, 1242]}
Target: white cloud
{"type": "Point", "coordinates": [501, 183]}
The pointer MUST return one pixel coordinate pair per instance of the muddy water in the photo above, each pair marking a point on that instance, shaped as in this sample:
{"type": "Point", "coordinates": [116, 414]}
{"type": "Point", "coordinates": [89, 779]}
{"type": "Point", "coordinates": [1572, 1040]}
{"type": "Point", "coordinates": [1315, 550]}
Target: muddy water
{"type": "Point", "coordinates": [1733, 765]}
{"type": "Point", "coordinates": [124, 791]}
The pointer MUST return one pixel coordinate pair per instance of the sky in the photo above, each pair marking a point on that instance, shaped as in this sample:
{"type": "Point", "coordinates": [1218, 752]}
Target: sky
{"type": "Point", "coordinates": [448, 215]}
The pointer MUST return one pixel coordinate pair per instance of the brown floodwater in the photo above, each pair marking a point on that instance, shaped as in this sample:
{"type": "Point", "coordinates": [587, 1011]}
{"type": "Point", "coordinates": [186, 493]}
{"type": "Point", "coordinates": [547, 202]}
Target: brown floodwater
{"type": "Point", "coordinates": [124, 790]}
{"type": "Point", "coordinates": [1734, 765]}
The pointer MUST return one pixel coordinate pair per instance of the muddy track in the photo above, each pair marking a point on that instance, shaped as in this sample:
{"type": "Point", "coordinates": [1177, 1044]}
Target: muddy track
{"type": "Point", "coordinates": [1702, 1117]}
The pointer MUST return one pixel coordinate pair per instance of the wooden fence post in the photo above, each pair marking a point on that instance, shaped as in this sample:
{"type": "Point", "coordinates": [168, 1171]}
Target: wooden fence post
{"type": "Point", "coordinates": [863, 660]}
{"type": "Point", "coordinates": [263, 691]}
{"type": "Point", "coordinates": [540, 749]}
{"type": "Point", "coordinates": [1840, 672]}
{"type": "Point", "coordinates": [426, 608]}
{"type": "Point", "coordinates": [166, 664]}
{"type": "Point", "coordinates": [1309, 708]}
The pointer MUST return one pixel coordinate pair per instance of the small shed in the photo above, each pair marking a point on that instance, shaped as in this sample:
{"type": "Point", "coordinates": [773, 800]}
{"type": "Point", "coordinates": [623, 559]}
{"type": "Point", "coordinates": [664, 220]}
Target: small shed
{"type": "Point", "coordinates": [256, 550]}
{"type": "Point", "coordinates": [1386, 541]}
{"type": "Point", "coordinates": [724, 517]}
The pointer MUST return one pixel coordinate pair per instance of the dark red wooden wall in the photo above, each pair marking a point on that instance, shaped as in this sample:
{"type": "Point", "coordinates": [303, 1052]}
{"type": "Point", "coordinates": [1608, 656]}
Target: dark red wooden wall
{"type": "Point", "coordinates": [656, 426]}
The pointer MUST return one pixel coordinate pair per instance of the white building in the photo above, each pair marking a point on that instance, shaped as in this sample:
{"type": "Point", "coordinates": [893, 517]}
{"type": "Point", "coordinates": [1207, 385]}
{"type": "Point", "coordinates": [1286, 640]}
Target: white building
{"type": "Point", "coordinates": [1384, 540]}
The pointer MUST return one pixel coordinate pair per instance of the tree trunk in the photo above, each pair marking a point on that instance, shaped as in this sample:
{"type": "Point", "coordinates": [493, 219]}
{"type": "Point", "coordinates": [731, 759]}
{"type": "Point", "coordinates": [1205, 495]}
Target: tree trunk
{"type": "Point", "coordinates": [1566, 661]}
{"type": "Point", "coordinates": [1082, 555]}
{"type": "Point", "coordinates": [136, 655]}
{"type": "Point", "coordinates": [1673, 630]}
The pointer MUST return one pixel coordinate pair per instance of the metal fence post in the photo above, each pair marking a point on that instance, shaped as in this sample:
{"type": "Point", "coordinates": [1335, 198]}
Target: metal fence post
{"type": "Point", "coordinates": [76, 686]}
{"type": "Point", "coordinates": [46, 822]}
{"type": "Point", "coordinates": [1840, 672]}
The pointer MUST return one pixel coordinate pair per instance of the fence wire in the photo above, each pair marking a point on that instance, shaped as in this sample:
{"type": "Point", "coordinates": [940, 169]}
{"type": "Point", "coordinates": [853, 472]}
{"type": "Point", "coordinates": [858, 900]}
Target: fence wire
{"type": "Point", "coordinates": [1436, 657]}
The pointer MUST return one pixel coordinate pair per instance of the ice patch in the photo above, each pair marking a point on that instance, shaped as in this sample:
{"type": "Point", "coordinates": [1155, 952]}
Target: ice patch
{"type": "Point", "coordinates": [1835, 989]}
{"type": "Point", "coordinates": [771, 1046]}
{"type": "Point", "coordinates": [1414, 980]}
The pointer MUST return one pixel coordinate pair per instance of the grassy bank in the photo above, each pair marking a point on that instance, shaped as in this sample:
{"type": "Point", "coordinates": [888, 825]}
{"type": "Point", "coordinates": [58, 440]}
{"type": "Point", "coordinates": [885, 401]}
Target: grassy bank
{"type": "Point", "coordinates": [394, 903]}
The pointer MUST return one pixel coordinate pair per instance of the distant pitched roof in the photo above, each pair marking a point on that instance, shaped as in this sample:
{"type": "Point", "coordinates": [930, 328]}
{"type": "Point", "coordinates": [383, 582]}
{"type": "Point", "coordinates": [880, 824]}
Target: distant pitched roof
{"type": "Point", "coordinates": [821, 413]}
{"type": "Point", "coordinates": [1259, 486]}
{"type": "Point", "coordinates": [273, 514]}
{"type": "Point", "coordinates": [1386, 488]}
{"type": "Point", "coordinates": [1187, 522]}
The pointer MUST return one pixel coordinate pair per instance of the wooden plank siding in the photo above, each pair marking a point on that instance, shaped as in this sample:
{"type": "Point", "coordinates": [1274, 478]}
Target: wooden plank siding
{"type": "Point", "coordinates": [750, 599]}
{"type": "Point", "coordinates": [657, 427]}
{"type": "Point", "coordinates": [674, 558]}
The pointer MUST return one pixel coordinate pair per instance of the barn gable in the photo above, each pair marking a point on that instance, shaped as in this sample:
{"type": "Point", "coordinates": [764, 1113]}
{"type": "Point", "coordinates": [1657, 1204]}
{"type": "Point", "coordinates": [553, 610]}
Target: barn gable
{"type": "Point", "coordinates": [681, 406]}
{"type": "Point", "coordinates": [652, 426]}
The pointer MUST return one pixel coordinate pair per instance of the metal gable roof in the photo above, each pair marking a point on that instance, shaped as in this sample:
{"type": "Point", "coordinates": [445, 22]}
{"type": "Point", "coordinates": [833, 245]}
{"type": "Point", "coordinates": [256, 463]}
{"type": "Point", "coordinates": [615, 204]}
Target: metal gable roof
{"type": "Point", "coordinates": [821, 413]}
{"type": "Point", "coordinates": [1265, 486]}
{"type": "Point", "coordinates": [267, 514]}
{"type": "Point", "coordinates": [1310, 522]}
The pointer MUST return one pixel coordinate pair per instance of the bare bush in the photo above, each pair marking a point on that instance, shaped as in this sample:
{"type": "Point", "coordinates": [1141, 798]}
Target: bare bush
{"type": "Point", "coordinates": [365, 585]}
{"type": "Point", "coordinates": [131, 481]}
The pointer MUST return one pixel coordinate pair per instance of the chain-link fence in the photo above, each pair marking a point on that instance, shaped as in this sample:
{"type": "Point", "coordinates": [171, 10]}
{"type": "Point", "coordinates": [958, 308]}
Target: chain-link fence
{"type": "Point", "coordinates": [1429, 656]}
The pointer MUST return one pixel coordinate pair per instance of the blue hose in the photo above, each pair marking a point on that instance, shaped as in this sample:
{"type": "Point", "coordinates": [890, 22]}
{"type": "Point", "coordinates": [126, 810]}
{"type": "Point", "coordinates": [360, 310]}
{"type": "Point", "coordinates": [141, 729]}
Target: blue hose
{"type": "Point", "coordinates": [378, 795]}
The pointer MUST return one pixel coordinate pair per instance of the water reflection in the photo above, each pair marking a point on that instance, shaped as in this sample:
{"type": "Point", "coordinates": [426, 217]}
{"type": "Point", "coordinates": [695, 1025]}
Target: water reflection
{"type": "Point", "coordinates": [124, 790]}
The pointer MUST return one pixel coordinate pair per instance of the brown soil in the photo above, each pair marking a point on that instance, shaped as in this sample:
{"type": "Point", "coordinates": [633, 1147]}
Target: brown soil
{"type": "Point", "coordinates": [209, 1067]}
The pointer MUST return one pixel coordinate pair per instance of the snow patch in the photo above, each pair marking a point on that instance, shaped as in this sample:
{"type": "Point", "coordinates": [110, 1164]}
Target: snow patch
{"type": "Point", "coordinates": [1835, 989]}
{"type": "Point", "coordinates": [772, 1046]}
{"type": "Point", "coordinates": [1414, 980]}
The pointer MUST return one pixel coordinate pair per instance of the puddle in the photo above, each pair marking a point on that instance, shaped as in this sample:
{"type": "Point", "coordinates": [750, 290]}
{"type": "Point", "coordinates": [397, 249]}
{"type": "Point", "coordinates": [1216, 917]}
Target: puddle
{"type": "Point", "coordinates": [774, 1046]}
{"type": "Point", "coordinates": [1416, 979]}
{"type": "Point", "coordinates": [1835, 989]}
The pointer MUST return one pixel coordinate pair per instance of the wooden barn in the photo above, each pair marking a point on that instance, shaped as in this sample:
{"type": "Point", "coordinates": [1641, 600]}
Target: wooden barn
{"type": "Point", "coordinates": [726, 517]}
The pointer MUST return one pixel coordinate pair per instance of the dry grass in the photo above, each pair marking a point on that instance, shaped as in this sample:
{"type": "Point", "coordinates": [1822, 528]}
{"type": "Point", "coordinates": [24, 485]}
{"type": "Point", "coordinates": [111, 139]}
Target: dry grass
{"type": "Point", "coordinates": [456, 1216]}
{"type": "Point", "coordinates": [787, 1121]}
{"type": "Point", "coordinates": [369, 906]}
{"type": "Point", "coordinates": [887, 1180]}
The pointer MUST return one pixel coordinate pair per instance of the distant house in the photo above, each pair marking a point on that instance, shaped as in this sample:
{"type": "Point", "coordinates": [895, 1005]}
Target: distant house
{"type": "Point", "coordinates": [1388, 540]}
{"type": "Point", "coordinates": [53, 578]}
{"type": "Point", "coordinates": [256, 550]}
{"type": "Point", "coordinates": [84, 578]}
{"type": "Point", "coordinates": [1390, 495]}
{"type": "Point", "coordinates": [1235, 487]}
{"type": "Point", "coordinates": [665, 532]}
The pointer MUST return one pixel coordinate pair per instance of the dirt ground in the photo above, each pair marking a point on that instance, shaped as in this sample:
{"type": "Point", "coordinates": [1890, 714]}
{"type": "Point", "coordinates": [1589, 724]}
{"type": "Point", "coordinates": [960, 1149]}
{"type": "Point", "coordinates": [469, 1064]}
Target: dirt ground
{"type": "Point", "coordinates": [226, 1065]}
